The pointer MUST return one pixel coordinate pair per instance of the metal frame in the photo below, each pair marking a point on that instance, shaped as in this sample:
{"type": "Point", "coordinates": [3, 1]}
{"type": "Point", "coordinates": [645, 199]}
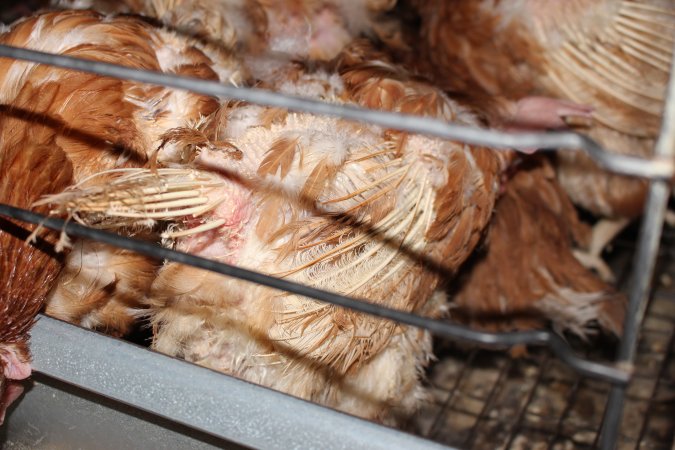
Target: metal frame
{"type": "Point", "coordinates": [200, 398]}
{"type": "Point", "coordinates": [644, 263]}
{"type": "Point", "coordinates": [481, 398]}
{"type": "Point", "coordinates": [660, 170]}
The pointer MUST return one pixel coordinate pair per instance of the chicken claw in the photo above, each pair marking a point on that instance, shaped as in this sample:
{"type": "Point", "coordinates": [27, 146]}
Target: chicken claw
{"type": "Point", "coordinates": [603, 233]}
{"type": "Point", "coordinates": [545, 113]}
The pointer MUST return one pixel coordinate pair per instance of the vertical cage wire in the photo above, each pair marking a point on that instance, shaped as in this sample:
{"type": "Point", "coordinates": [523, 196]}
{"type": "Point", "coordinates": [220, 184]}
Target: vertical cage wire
{"type": "Point", "coordinates": [644, 265]}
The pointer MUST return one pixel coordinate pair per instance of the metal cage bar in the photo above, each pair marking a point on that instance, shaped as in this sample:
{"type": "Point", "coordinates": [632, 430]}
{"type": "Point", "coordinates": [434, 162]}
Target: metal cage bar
{"type": "Point", "coordinates": [657, 168]}
{"type": "Point", "coordinates": [643, 265]}
{"type": "Point", "coordinates": [200, 398]}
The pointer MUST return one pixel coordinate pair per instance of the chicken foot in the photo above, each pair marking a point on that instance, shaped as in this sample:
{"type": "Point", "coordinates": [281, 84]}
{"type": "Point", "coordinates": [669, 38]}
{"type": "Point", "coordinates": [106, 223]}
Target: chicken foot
{"type": "Point", "coordinates": [545, 113]}
{"type": "Point", "coordinates": [602, 234]}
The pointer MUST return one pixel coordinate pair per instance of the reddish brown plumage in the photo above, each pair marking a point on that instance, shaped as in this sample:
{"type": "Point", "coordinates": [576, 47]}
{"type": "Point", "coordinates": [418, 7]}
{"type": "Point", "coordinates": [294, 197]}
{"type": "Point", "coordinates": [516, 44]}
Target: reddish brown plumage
{"type": "Point", "coordinates": [527, 272]}
{"type": "Point", "coordinates": [611, 55]}
{"type": "Point", "coordinates": [60, 125]}
{"type": "Point", "coordinates": [32, 166]}
{"type": "Point", "coordinates": [100, 122]}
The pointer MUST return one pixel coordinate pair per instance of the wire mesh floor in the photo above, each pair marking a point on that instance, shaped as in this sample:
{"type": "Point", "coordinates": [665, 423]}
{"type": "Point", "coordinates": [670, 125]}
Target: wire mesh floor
{"type": "Point", "coordinates": [484, 399]}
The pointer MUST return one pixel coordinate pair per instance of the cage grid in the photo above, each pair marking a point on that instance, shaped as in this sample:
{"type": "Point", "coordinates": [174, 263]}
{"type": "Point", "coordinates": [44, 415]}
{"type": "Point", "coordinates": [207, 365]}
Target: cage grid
{"type": "Point", "coordinates": [484, 399]}
{"type": "Point", "coordinates": [473, 393]}
{"type": "Point", "coordinates": [539, 399]}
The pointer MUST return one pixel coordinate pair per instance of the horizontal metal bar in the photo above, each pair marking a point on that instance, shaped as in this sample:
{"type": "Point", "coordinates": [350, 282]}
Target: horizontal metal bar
{"type": "Point", "coordinates": [199, 398]}
{"type": "Point", "coordinates": [438, 327]}
{"type": "Point", "coordinates": [624, 164]}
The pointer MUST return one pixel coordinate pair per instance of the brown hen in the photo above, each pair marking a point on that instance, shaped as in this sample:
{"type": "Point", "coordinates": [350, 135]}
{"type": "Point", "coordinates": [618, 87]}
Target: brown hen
{"type": "Point", "coordinates": [295, 29]}
{"type": "Point", "coordinates": [31, 165]}
{"type": "Point", "coordinates": [347, 207]}
{"type": "Point", "coordinates": [527, 272]}
{"type": "Point", "coordinates": [611, 55]}
{"type": "Point", "coordinates": [100, 124]}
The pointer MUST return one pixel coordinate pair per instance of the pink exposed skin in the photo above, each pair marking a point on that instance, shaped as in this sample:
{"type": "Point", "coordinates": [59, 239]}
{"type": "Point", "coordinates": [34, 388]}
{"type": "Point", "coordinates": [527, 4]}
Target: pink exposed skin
{"type": "Point", "coordinates": [544, 113]}
{"type": "Point", "coordinates": [224, 242]}
{"type": "Point", "coordinates": [11, 392]}
{"type": "Point", "coordinates": [318, 34]}
{"type": "Point", "coordinates": [14, 367]}
{"type": "Point", "coordinates": [328, 35]}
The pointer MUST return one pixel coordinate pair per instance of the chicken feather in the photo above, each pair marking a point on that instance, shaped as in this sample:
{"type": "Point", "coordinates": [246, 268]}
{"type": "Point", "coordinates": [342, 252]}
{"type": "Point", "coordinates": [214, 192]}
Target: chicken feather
{"type": "Point", "coordinates": [304, 29]}
{"type": "Point", "coordinates": [527, 273]}
{"type": "Point", "coordinates": [101, 124]}
{"type": "Point", "coordinates": [612, 55]}
{"type": "Point", "coordinates": [348, 217]}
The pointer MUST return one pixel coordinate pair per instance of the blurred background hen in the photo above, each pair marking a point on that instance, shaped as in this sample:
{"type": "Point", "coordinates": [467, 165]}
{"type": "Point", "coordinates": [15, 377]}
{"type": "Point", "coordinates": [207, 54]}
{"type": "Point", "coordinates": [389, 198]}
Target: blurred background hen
{"type": "Point", "coordinates": [612, 56]}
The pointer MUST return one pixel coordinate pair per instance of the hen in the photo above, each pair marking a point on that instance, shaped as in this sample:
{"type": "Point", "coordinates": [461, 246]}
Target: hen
{"type": "Point", "coordinates": [527, 271]}
{"type": "Point", "coordinates": [99, 123]}
{"type": "Point", "coordinates": [611, 55]}
{"type": "Point", "coordinates": [295, 29]}
{"type": "Point", "coordinates": [31, 164]}
{"type": "Point", "coordinates": [347, 207]}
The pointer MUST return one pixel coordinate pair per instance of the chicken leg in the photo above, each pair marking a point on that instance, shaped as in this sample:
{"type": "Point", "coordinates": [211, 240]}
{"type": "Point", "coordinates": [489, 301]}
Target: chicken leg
{"type": "Point", "coordinates": [541, 113]}
{"type": "Point", "coordinates": [544, 113]}
{"type": "Point", "coordinates": [603, 233]}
